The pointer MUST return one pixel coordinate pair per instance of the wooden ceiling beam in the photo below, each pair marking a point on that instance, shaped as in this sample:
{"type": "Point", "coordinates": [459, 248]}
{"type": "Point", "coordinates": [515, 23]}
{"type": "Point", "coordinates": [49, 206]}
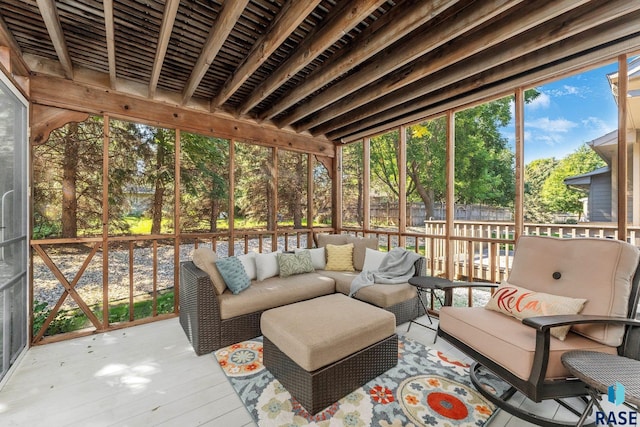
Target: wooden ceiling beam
{"type": "Point", "coordinates": [69, 95]}
{"type": "Point", "coordinates": [385, 31]}
{"type": "Point", "coordinates": [168, 19]}
{"type": "Point", "coordinates": [431, 60]}
{"type": "Point", "coordinates": [340, 21]}
{"type": "Point", "coordinates": [289, 18]}
{"type": "Point", "coordinates": [49, 12]}
{"type": "Point", "coordinates": [111, 40]}
{"type": "Point", "coordinates": [18, 65]}
{"type": "Point", "coordinates": [614, 38]}
{"type": "Point", "coordinates": [224, 23]}
{"type": "Point", "coordinates": [421, 81]}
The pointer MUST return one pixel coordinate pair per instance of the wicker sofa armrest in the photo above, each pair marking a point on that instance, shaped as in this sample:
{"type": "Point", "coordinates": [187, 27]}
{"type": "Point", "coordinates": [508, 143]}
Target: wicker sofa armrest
{"type": "Point", "coordinates": [420, 267]}
{"type": "Point", "coordinates": [199, 309]}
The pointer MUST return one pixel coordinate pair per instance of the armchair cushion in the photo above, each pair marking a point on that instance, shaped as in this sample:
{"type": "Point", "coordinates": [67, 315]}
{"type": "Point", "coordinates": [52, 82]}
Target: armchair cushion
{"type": "Point", "coordinates": [522, 303]}
{"type": "Point", "coordinates": [599, 270]}
{"type": "Point", "coordinates": [510, 343]}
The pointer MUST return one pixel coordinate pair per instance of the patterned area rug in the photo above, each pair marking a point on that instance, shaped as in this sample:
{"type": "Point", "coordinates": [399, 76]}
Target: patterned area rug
{"type": "Point", "coordinates": [426, 388]}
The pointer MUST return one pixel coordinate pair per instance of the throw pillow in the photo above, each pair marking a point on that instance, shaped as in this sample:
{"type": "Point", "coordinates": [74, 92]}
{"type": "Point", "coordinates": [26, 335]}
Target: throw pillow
{"type": "Point", "coordinates": [205, 259]}
{"type": "Point", "coordinates": [249, 262]}
{"type": "Point", "coordinates": [522, 303]}
{"type": "Point", "coordinates": [318, 257]}
{"type": "Point", "coordinates": [373, 259]}
{"type": "Point", "coordinates": [339, 257]}
{"type": "Point", "coordinates": [266, 265]}
{"type": "Point", "coordinates": [291, 264]}
{"type": "Point", "coordinates": [232, 271]}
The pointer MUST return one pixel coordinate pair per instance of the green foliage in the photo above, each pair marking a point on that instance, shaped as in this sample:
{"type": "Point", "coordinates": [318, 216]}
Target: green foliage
{"type": "Point", "coordinates": [535, 175]}
{"type": "Point", "coordinates": [557, 196]}
{"type": "Point", "coordinates": [74, 319]}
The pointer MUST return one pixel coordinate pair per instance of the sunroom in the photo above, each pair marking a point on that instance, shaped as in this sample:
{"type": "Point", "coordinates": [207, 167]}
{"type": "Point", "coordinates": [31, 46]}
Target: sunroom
{"type": "Point", "coordinates": [134, 132]}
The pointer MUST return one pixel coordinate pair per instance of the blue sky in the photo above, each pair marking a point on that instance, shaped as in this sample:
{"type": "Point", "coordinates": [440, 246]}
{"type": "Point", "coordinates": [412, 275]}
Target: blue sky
{"type": "Point", "coordinates": [568, 113]}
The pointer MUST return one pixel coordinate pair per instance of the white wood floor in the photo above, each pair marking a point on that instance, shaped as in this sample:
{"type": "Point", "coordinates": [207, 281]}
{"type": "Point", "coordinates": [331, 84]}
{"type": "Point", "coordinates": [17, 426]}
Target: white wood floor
{"type": "Point", "coordinates": [144, 376]}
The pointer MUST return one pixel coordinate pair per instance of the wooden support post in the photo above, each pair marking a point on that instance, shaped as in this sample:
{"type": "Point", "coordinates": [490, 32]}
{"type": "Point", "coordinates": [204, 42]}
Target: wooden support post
{"type": "Point", "coordinates": [105, 222]}
{"type": "Point", "coordinates": [623, 79]}
{"type": "Point", "coordinates": [232, 199]}
{"type": "Point", "coordinates": [176, 224]}
{"type": "Point", "coordinates": [337, 190]}
{"type": "Point", "coordinates": [273, 182]}
{"type": "Point", "coordinates": [366, 183]}
{"type": "Point", "coordinates": [310, 193]}
{"type": "Point", "coordinates": [402, 187]}
{"type": "Point", "coordinates": [450, 195]}
{"type": "Point", "coordinates": [519, 202]}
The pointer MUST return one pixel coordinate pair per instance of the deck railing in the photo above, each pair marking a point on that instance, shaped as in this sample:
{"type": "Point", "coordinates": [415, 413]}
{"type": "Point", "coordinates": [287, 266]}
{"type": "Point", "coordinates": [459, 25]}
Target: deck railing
{"type": "Point", "coordinates": [480, 251]}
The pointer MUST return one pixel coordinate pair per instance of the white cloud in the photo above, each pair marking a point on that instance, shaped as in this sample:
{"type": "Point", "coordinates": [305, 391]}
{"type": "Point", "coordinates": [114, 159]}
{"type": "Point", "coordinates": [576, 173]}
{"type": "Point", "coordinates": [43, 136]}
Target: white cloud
{"type": "Point", "coordinates": [553, 126]}
{"type": "Point", "coordinates": [598, 125]}
{"type": "Point", "coordinates": [570, 90]}
{"type": "Point", "coordinates": [541, 101]}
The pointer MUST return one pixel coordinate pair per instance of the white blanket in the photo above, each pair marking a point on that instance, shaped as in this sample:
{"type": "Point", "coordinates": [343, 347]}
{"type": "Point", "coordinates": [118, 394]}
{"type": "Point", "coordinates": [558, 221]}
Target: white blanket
{"type": "Point", "coordinates": [396, 267]}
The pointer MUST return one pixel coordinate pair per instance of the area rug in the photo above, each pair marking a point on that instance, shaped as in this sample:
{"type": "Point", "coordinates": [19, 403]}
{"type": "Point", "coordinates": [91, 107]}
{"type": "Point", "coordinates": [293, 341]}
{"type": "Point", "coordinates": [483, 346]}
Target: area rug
{"type": "Point", "coordinates": [426, 388]}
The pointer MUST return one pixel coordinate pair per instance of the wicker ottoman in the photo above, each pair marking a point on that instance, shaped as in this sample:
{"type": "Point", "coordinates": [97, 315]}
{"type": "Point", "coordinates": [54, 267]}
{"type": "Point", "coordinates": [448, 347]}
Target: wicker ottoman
{"type": "Point", "coordinates": [324, 348]}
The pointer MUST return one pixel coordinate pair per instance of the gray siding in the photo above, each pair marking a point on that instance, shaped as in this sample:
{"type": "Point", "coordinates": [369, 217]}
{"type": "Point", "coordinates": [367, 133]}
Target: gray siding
{"type": "Point", "coordinates": [600, 198]}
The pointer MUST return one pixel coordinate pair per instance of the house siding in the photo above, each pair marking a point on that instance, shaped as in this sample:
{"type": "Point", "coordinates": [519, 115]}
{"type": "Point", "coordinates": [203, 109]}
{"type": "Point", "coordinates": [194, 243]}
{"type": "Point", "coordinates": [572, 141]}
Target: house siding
{"type": "Point", "coordinates": [600, 198]}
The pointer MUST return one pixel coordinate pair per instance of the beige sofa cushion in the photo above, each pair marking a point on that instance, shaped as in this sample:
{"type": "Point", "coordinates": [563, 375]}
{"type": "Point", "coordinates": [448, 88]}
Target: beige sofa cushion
{"type": "Point", "coordinates": [321, 331]}
{"type": "Point", "coordinates": [599, 270]}
{"type": "Point", "coordinates": [507, 341]}
{"type": "Point", "coordinates": [274, 292]}
{"type": "Point", "coordinates": [360, 245]}
{"type": "Point", "coordinates": [381, 295]}
{"type": "Point", "coordinates": [205, 259]}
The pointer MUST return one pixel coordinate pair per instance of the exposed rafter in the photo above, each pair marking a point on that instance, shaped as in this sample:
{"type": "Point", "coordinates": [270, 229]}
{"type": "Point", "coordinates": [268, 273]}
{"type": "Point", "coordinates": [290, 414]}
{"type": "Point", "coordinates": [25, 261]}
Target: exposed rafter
{"type": "Point", "coordinates": [7, 39]}
{"type": "Point", "coordinates": [538, 60]}
{"type": "Point", "coordinates": [340, 21]}
{"type": "Point", "coordinates": [402, 88]}
{"type": "Point", "coordinates": [49, 12]}
{"type": "Point", "coordinates": [169, 17]}
{"type": "Point", "coordinates": [292, 14]}
{"type": "Point", "coordinates": [392, 58]}
{"type": "Point", "coordinates": [382, 33]}
{"type": "Point", "coordinates": [111, 41]}
{"type": "Point", "coordinates": [226, 20]}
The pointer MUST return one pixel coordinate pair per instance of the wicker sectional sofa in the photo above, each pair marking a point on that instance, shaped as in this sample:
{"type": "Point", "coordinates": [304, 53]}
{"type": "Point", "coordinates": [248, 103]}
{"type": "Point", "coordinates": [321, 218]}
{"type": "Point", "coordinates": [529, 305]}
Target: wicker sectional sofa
{"type": "Point", "coordinates": [212, 321]}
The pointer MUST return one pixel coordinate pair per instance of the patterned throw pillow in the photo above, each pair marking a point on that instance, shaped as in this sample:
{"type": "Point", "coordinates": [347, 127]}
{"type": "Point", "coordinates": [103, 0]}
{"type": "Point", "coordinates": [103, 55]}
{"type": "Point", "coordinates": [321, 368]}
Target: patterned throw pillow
{"type": "Point", "coordinates": [522, 303]}
{"type": "Point", "coordinates": [232, 271]}
{"type": "Point", "coordinates": [339, 257]}
{"type": "Point", "coordinates": [298, 263]}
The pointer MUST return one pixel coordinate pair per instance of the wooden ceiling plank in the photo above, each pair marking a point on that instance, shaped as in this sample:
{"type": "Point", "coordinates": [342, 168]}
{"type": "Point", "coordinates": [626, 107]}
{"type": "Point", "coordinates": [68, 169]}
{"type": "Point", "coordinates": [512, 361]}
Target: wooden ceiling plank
{"type": "Point", "coordinates": [422, 46]}
{"type": "Point", "coordinates": [49, 13]}
{"type": "Point", "coordinates": [339, 22]}
{"type": "Point", "coordinates": [87, 98]}
{"type": "Point", "coordinates": [229, 14]}
{"type": "Point", "coordinates": [385, 31]}
{"type": "Point", "coordinates": [111, 41]}
{"type": "Point", "coordinates": [583, 42]}
{"type": "Point", "coordinates": [395, 90]}
{"type": "Point", "coordinates": [168, 19]}
{"type": "Point", "coordinates": [291, 16]}
{"type": "Point", "coordinates": [19, 66]}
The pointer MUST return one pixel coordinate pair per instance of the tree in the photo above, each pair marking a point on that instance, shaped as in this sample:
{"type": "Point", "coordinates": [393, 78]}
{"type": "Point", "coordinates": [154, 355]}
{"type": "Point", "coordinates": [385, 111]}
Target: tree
{"type": "Point", "coordinates": [484, 164]}
{"type": "Point", "coordinates": [535, 175]}
{"type": "Point", "coordinates": [559, 197]}
{"type": "Point", "coordinates": [292, 185]}
{"type": "Point", "coordinates": [67, 184]}
{"type": "Point", "coordinates": [205, 175]}
{"type": "Point", "coordinates": [352, 183]}
{"type": "Point", "coordinates": [255, 189]}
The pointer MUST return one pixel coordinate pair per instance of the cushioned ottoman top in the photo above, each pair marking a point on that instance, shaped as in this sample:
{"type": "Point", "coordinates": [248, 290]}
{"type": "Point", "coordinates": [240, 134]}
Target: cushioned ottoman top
{"type": "Point", "coordinates": [320, 331]}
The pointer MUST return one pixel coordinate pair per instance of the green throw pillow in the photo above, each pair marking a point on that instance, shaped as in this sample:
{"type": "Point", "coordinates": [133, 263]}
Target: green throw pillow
{"type": "Point", "coordinates": [291, 264]}
{"type": "Point", "coordinates": [233, 273]}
